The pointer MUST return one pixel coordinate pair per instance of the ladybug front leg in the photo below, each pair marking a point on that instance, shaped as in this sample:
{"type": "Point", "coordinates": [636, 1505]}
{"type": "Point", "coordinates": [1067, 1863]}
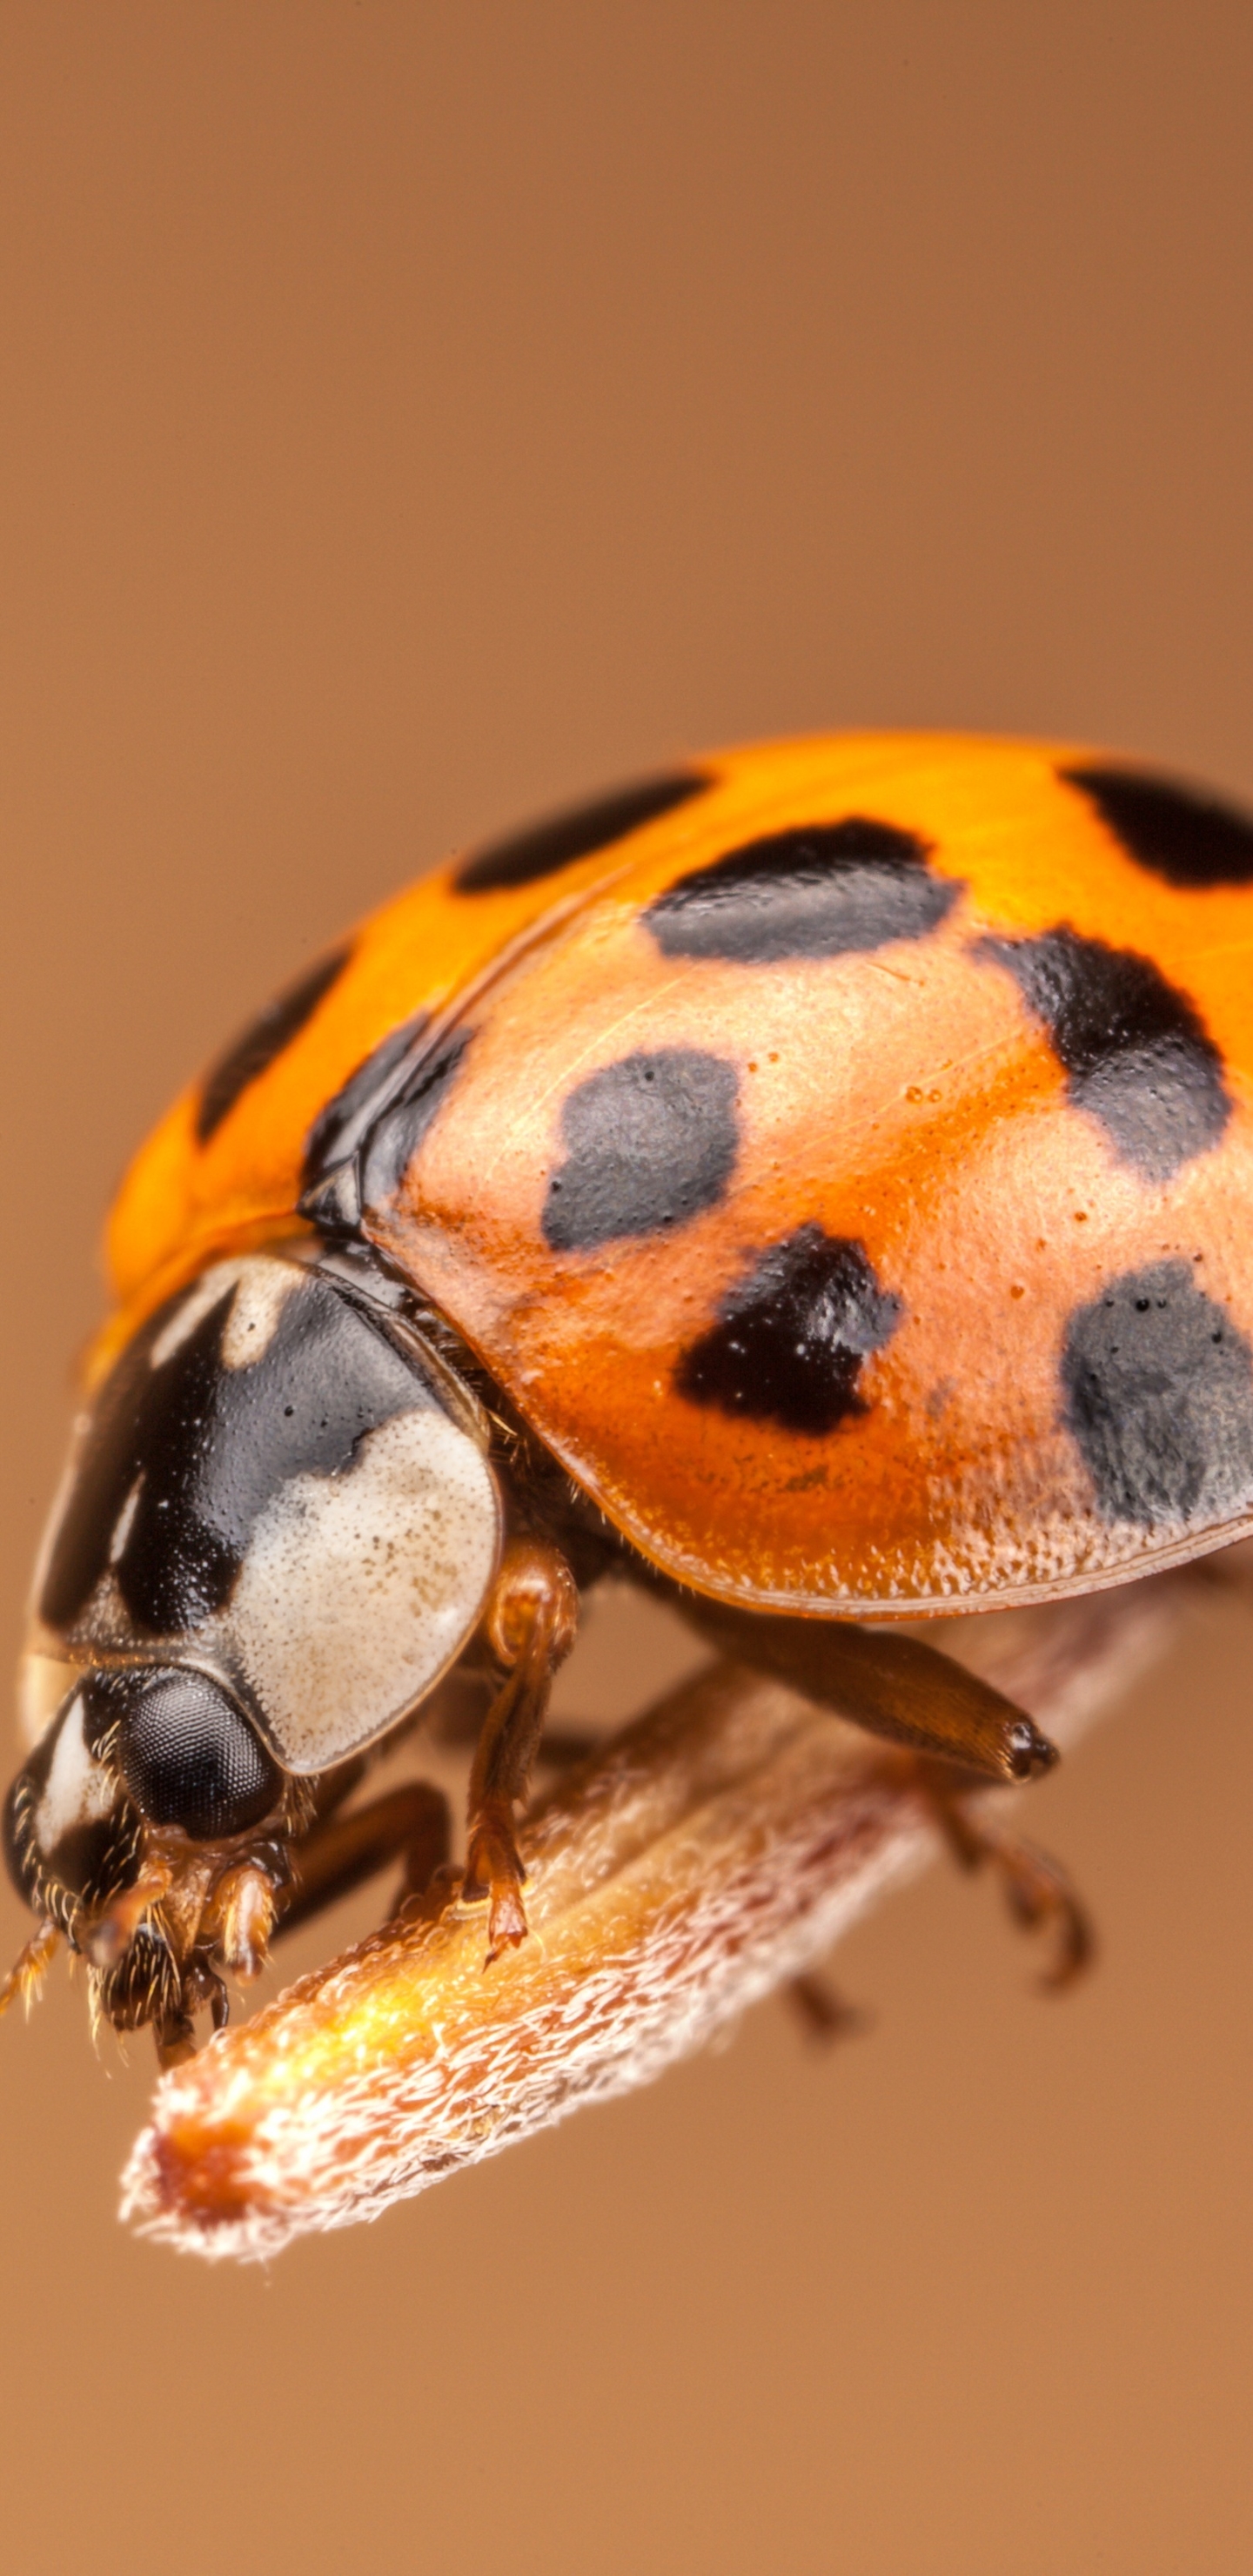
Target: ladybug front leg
{"type": "Point", "coordinates": [25, 1978]}
{"type": "Point", "coordinates": [531, 1622]}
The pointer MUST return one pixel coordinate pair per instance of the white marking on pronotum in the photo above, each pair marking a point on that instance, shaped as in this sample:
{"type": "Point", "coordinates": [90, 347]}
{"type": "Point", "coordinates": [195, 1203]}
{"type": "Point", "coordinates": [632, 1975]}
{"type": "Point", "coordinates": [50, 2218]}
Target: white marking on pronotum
{"type": "Point", "coordinates": [263, 1291]}
{"type": "Point", "coordinates": [43, 1681]}
{"type": "Point", "coordinates": [125, 1518]}
{"type": "Point", "coordinates": [191, 1310]}
{"type": "Point", "coordinates": [262, 1285]}
{"type": "Point", "coordinates": [77, 1790]}
{"type": "Point", "coordinates": [359, 1589]}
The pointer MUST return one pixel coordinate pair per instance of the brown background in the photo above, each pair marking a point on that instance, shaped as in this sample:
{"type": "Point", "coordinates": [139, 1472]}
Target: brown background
{"type": "Point", "coordinates": [414, 414]}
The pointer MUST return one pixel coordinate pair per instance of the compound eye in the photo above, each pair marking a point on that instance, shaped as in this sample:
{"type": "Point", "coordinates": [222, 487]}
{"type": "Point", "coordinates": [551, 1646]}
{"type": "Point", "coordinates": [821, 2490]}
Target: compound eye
{"type": "Point", "coordinates": [189, 1757]}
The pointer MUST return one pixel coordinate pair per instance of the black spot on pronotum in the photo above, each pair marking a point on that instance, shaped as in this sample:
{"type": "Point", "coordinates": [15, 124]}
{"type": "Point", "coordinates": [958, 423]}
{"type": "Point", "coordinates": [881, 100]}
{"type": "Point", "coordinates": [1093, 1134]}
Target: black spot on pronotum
{"type": "Point", "coordinates": [1158, 1388]}
{"type": "Point", "coordinates": [1182, 833]}
{"type": "Point", "coordinates": [256, 1049]}
{"type": "Point", "coordinates": [649, 1141]}
{"type": "Point", "coordinates": [390, 1145]}
{"type": "Point", "coordinates": [556, 842]}
{"type": "Point", "coordinates": [816, 890]}
{"type": "Point", "coordinates": [1135, 1049]}
{"type": "Point", "coordinates": [790, 1340]}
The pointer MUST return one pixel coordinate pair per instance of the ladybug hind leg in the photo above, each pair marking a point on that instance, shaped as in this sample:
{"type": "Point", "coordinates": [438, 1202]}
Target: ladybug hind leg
{"type": "Point", "coordinates": [894, 1686]}
{"type": "Point", "coordinates": [1037, 1889]}
{"type": "Point", "coordinates": [962, 1734]}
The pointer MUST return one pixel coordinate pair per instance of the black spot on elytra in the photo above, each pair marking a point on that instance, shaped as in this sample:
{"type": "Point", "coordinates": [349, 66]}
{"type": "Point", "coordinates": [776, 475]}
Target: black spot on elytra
{"type": "Point", "coordinates": [208, 1447]}
{"type": "Point", "coordinates": [649, 1143]}
{"type": "Point", "coordinates": [256, 1049]}
{"type": "Point", "coordinates": [1159, 1395]}
{"type": "Point", "coordinates": [817, 890]}
{"type": "Point", "coordinates": [1135, 1049]}
{"type": "Point", "coordinates": [337, 1131]}
{"type": "Point", "coordinates": [545, 847]}
{"type": "Point", "coordinates": [791, 1338]}
{"type": "Point", "coordinates": [1184, 834]}
{"type": "Point", "coordinates": [391, 1143]}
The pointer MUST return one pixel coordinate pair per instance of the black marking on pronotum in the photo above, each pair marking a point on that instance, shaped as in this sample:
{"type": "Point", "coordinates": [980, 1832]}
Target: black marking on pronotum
{"type": "Point", "coordinates": [258, 1045]}
{"type": "Point", "coordinates": [391, 1143]}
{"type": "Point", "coordinates": [203, 1449]}
{"type": "Point", "coordinates": [816, 890]}
{"type": "Point", "coordinates": [1158, 1386]}
{"type": "Point", "coordinates": [545, 847]}
{"type": "Point", "coordinates": [1135, 1048]}
{"type": "Point", "coordinates": [790, 1340]}
{"type": "Point", "coordinates": [650, 1141]}
{"type": "Point", "coordinates": [1184, 834]}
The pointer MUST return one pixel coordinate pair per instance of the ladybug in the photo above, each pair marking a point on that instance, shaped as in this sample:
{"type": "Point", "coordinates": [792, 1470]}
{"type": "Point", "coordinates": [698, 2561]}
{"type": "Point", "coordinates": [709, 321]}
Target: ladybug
{"type": "Point", "coordinates": [817, 1181]}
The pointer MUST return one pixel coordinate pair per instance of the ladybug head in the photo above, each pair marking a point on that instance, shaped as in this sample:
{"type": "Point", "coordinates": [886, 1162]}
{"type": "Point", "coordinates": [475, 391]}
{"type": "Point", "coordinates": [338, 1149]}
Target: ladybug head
{"type": "Point", "coordinates": [143, 1794]}
{"type": "Point", "coordinates": [279, 1528]}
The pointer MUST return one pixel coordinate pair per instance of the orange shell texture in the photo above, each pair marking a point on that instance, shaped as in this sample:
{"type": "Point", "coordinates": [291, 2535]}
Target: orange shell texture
{"type": "Point", "coordinates": [841, 1153]}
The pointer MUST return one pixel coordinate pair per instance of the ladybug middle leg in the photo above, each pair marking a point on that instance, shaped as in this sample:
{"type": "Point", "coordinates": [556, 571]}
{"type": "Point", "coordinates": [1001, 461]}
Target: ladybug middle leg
{"type": "Point", "coordinates": [964, 1735]}
{"type": "Point", "coordinates": [822, 2012]}
{"type": "Point", "coordinates": [409, 1823]}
